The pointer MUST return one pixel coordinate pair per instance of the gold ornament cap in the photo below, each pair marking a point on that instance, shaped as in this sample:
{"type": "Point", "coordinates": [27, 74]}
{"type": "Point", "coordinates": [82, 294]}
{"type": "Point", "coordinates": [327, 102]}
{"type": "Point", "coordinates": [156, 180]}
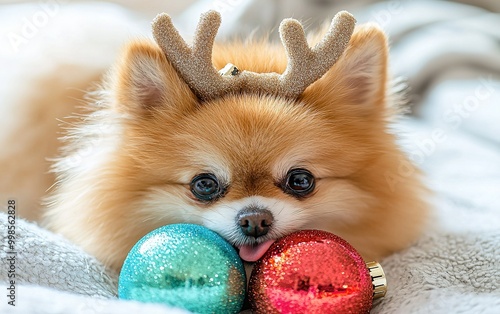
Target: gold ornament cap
{"type": "Point", "coordinates": [379, 281]}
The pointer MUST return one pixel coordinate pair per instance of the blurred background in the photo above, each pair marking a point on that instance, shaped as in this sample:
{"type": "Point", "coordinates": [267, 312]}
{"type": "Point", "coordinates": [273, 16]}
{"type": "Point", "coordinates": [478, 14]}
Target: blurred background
{"type": "Point", "coordinates": [448, 51]}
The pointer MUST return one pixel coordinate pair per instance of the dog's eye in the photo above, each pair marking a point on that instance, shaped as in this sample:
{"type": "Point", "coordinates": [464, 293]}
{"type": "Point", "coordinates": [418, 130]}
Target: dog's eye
{"type": "Point", "coordinates": [299, 182]}
{"type": "Point", "coordinates": [206, 187]}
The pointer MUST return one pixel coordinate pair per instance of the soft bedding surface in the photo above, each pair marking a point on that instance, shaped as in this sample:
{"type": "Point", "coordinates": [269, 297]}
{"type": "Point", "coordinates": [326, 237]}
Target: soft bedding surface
{"type": "Point", "coordinates": [450, 54]}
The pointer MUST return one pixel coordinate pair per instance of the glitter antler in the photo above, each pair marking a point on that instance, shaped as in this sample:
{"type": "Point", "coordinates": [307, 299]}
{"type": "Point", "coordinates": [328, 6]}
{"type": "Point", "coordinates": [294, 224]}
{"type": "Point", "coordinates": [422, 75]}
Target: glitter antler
{"type": "Point", "coordinates": [305, 64]}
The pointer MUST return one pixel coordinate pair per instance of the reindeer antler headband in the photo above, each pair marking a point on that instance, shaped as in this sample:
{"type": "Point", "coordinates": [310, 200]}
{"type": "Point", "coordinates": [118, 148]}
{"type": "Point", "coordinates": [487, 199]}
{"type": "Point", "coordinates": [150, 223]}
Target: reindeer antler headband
{"type": "Point", "coordinates": [305, 64]}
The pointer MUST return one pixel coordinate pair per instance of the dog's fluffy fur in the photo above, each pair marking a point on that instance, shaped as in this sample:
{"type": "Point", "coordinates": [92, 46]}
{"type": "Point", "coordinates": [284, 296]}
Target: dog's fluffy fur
{"type": "Point", "coordinates": [126, 169]}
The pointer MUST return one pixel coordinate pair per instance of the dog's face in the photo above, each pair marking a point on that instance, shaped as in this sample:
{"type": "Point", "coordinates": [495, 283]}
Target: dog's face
{"type": "Point", "coordinates": [251, 167]}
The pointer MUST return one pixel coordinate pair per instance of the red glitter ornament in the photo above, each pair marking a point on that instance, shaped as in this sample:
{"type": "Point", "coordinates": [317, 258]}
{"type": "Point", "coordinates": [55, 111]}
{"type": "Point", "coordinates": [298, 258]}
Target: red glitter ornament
{"type": "Point", "coordinates": [312, 271]}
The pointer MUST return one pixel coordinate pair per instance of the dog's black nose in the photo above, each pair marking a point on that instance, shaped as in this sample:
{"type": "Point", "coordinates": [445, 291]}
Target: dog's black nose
{"type": "Point", "coordinates": [255, 221]}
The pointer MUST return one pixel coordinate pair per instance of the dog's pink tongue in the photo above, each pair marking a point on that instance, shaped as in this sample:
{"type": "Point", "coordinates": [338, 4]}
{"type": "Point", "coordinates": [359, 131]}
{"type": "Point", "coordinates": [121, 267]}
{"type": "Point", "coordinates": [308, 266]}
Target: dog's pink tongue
{"type": "Point", "coordinates": [251, 253]}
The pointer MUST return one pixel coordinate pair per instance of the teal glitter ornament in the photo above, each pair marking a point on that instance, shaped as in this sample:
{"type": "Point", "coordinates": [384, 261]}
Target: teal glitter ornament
{"type": "Point", "coordinates": [186, 266]}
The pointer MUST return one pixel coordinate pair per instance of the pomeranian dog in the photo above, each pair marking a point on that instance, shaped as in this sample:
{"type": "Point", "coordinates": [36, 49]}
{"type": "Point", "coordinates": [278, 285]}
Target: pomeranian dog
{"type": "Point", "coordinates": [252, 166]}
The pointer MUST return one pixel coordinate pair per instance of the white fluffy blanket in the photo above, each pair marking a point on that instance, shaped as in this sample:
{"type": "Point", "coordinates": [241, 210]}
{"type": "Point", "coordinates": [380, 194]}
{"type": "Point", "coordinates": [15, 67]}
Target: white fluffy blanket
{"type": "Point", "coordinates": [450, 54]}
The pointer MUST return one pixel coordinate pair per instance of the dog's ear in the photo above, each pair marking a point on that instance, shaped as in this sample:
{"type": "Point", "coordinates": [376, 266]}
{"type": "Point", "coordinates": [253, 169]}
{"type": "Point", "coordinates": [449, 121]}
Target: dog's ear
{"type": "Point", "coordinates": [146, 82]}
{"type": "Point", "coordinates": [357, 83]}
